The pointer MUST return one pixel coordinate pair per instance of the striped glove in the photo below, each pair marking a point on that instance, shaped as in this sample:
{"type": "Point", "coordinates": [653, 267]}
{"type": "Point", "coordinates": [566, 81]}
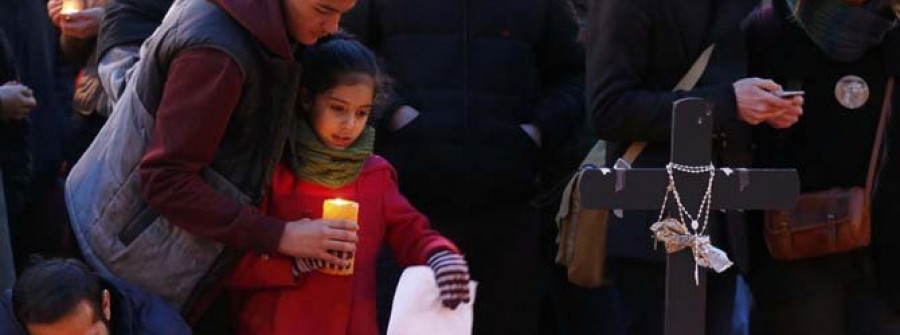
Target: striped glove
{"type": "Point", "coordinates": [306, 265]}
{"type": "Point", "coordinates": [451, 272]}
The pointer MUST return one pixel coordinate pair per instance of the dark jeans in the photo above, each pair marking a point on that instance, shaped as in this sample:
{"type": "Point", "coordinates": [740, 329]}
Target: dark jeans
{"type": "Point", "coordinates": [577, 310]}
{"type": "Point", "coordinates": [502, 250]}
{"type": "Point", "coordinates": [830, 295]}
{"type": "Point", "coordinates": [637, 298]}
{"type": "Point", "coordinates": [567, 309]}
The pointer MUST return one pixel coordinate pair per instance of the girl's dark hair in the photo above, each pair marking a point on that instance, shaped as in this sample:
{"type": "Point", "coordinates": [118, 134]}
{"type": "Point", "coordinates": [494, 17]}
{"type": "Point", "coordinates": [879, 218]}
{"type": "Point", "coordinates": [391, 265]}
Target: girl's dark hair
{"type": "Point", "coordinates": [339, 59]}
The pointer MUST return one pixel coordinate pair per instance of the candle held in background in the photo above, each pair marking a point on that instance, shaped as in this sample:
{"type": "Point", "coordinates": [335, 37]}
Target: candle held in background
{"type": "Point", "coordinates": [71, 6]}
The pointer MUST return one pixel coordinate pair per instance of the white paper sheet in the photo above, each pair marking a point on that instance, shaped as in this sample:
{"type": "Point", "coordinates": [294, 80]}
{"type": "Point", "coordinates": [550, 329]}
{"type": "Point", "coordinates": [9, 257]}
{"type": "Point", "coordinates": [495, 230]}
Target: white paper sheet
{"type": "Point", "coordinates": [418, 310]}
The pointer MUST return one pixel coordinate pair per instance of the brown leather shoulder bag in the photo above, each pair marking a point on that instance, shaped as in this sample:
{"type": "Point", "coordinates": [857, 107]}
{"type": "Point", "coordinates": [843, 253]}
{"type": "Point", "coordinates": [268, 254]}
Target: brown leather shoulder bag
{"type": "Point", "coordinates": [830, 221]}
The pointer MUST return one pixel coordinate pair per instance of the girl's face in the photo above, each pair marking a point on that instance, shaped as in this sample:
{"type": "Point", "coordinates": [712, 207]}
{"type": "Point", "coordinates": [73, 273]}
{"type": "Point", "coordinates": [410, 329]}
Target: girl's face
{"type": "Point", "coordinates": [340, 114]}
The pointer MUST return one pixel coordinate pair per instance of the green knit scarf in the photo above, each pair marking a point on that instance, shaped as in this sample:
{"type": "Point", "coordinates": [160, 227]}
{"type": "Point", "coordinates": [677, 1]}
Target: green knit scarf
{"type": "Point", "coordinates": [314, 161]}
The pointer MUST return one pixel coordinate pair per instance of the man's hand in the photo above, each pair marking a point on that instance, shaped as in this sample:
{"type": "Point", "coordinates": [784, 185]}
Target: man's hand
{"type": "Point", "coordinates": [757, 102]}
{"type": "Point", "coordinates": [787, 117]}
{"type": "Point", "coordinates": [533, 132]}
{"type": "Point", "coordinates": [16, 101]}
{"type": "Point", "coordinates": [82, 25]}
{"type": "Point", "coordinates": [314, 238]}
{"type": "Point", "coordinates": [402, 117]}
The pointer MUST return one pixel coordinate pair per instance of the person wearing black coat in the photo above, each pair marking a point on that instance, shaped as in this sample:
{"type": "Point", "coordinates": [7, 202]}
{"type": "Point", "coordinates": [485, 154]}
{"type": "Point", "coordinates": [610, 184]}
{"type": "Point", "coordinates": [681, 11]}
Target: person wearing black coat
{"type": "Point", "coordinates": [637, 51]}
{"type": "Point", "coordinates": [483, 89]}
{"type": "Point", "coordinates": [34, 46]}
{"type": "Point", "coordinates": [848, 292]}
{"type": "Point", "coordinates": [16, 101]}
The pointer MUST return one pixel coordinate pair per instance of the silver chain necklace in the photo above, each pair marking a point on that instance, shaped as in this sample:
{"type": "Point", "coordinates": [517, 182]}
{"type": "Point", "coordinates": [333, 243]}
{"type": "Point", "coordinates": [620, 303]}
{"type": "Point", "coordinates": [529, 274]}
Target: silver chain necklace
{"type": "Point", "coordinates": [701, 221]}
{"type": "Point", "coordinates": [694, 237]}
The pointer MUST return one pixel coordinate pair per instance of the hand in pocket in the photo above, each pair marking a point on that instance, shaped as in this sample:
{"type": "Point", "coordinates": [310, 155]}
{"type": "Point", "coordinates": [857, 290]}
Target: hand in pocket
{"type": "Point", "coordinates": [533, 132]}
{"type": "Point", "coordinates": [404, 115]}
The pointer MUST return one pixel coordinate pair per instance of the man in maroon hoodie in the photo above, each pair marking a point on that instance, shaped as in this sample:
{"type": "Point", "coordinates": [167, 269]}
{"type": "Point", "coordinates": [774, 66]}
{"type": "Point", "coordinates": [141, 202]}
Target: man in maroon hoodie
{"type": "Point", "coordinates": [204, 87]}
{"type": "Point", "coordinates": [211, 101]}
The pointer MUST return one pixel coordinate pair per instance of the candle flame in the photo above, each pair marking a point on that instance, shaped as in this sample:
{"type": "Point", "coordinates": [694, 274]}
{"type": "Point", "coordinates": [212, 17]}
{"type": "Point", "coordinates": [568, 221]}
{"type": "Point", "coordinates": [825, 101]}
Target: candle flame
{"type": "Point", "coordinates": [340, 202]}
{"type": "Point", "coordinates": [71, 6]}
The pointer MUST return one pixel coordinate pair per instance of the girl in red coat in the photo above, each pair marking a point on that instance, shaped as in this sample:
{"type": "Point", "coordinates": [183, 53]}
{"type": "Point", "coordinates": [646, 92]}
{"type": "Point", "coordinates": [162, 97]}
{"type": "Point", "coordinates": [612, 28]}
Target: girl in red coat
{"type": "Point", "coordinates": [331, 157]}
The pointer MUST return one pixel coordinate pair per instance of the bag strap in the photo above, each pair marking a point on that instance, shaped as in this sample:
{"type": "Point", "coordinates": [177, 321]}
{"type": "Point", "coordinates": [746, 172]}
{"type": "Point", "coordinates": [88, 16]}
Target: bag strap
{"type": "Point", "coordinates": [879, 134]}
{"type": "Point", "coordinates": [687, 83]}
{"type": "Point", "coordinates": [693, 75]}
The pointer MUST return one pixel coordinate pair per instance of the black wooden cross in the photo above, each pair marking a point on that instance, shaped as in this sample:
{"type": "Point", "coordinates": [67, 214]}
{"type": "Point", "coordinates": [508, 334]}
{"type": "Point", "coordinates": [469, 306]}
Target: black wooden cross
{"type": "Point", "coordinates": [7, 269]}
{"type": "Point", "coordinates": [643, 189]}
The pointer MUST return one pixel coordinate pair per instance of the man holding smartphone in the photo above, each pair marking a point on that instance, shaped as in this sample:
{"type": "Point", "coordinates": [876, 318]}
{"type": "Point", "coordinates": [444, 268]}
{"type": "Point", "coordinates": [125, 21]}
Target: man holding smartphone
{"type": "Point", "coordinates": [637, 52]}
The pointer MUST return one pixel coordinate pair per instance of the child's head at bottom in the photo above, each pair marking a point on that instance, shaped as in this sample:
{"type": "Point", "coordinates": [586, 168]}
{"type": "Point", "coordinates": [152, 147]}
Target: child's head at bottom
{"type": "Point", "coordinates": [339, 84]}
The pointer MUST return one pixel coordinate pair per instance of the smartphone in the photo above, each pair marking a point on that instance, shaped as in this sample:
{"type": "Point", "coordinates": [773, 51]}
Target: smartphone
{"type": "Point", "coordinates": [789, 94]}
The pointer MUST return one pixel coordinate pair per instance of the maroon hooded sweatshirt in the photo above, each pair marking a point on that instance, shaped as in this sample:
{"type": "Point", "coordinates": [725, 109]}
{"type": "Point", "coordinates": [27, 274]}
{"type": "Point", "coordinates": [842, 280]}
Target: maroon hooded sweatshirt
{"type": "Point", "coordinates": [203, 87]}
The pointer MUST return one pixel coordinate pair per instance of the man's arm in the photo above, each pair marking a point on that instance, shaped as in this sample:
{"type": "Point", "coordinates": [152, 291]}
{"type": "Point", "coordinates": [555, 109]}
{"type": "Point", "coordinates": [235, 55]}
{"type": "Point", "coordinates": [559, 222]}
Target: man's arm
{"type": "Point", "coordinates": [203, 87]}
{"type": "Point", "coordinates": [617, 66]}
{"type": "Point", "coordinates": [622, 109]}
{"type": "Point", "coordinates": [561, 66]}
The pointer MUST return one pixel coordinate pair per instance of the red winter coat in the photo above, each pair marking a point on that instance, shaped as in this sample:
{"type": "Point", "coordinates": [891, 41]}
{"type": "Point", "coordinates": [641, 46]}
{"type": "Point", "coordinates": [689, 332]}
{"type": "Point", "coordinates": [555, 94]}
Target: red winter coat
{"type": "Point", "coordinates": [270, 300]}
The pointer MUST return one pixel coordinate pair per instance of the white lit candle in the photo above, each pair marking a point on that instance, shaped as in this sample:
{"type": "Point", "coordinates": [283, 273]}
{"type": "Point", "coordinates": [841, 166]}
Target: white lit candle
{"type": "Point", "coordinates": [340, 209]}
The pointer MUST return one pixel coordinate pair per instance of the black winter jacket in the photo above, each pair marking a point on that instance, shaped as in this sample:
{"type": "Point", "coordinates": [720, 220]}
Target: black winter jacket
{"type": "Point", "coordinates": [476, 70]}
{"type": "Point", "coordinates": [34, 47]}
{"type": "Point", "coordinates": [15, 153]}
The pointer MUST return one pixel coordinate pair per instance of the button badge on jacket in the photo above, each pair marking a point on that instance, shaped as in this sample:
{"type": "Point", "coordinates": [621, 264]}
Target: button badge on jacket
{"type": "Point", "coordinates": [851, 91]}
